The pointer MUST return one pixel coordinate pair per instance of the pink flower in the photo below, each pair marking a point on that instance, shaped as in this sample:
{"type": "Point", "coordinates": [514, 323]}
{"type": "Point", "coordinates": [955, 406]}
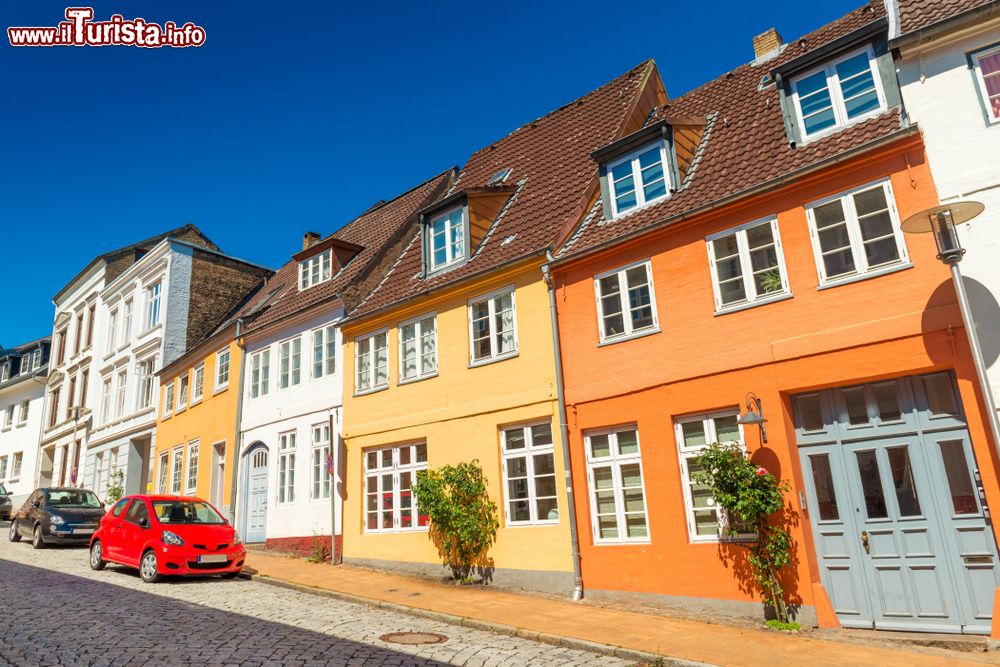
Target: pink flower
{"type": "Point", "coordinates": [761, 472]}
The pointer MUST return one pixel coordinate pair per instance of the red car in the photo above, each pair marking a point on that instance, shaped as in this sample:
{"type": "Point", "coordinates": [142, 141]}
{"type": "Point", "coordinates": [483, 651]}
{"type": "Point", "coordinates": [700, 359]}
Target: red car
{"type": "Point", "coordinates": [164, 535]}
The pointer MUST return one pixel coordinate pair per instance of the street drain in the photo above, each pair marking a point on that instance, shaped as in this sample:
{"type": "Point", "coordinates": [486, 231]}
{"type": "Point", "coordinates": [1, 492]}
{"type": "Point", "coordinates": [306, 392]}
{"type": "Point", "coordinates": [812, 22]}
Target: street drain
{"type": "Point", "coordinates": [413, 638]}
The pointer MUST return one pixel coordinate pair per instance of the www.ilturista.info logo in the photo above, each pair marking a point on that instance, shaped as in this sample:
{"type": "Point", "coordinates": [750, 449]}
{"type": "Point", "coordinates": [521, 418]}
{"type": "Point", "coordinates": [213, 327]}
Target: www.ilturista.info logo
{"type": "Point", "coordinates": [79, 29]}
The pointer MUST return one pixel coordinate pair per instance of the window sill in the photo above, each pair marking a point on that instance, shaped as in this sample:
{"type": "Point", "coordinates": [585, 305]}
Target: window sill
{"type": "Point", "coordinates": [412, 380]}
{"type": "Point", "coordinates": [166, 416]}
{"type": "Point", "coordinates": [621, 543]}
{"type": "Point", "coordinates": [632, 336]}
{"type": "Point", "coordinates": [396, 531]}
{"type": "Point", "coordinates": [196, 401]}
{"type": "Point", "coordinates": [781, 296]}
{"type": "Point", "coordinates": [373, 390]}
{"type": "Point", "coordinates": [857, 277]}
{"type": "Point", "coordinates": [529, 524]}
{"type": "Point", "coordinates": [5, 428]}
{"type": "Point", "coordinates": [493, 360]}
{"type": "Point", "coordinates": [150, 330]}
{"type": "Point", "coordinates": [219, 390]}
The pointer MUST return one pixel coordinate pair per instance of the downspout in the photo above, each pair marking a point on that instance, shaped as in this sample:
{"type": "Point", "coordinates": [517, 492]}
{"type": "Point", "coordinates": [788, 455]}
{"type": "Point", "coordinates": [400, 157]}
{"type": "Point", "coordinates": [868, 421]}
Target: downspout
{"type": "Point", "coordinates": [564, 431]}
{"type": "Point", "coordinates": [335, 558]}
{"type": "Point", "coordinates": [239, 418]}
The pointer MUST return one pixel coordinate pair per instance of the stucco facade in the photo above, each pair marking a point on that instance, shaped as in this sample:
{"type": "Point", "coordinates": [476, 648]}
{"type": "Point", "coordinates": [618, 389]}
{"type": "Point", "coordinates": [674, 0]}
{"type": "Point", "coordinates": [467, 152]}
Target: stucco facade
{"type": "Point", "coordinates": [23, 370]}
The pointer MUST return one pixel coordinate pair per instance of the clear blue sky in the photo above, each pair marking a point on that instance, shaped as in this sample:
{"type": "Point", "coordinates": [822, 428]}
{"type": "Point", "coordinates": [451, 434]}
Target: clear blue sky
{"type": "Point", "coordinates": [299, 115]}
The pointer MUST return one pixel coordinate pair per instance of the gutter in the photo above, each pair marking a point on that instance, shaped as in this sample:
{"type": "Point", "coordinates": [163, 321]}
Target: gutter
{"type": "Point", "coordinates": [239, 418]}
{"type": "Point", "coordinates": [564, 431]}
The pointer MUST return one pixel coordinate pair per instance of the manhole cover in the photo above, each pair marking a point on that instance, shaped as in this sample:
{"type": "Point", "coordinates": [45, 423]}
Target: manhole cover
{"type": "Point", "coordinates": [414, 638]}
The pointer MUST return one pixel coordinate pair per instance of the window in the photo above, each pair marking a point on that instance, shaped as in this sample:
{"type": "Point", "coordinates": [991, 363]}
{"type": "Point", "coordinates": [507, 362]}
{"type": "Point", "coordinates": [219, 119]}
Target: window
{"type": "Point", "coordinates": [61, 346]}
{"type": "Point", "coordinates": [636, 312]}
{"type": "Point", "coordinates": [290, 356]}
{"type": "Point", "coordinates": [78, 333]}
{"type": "Point", "coordinates": [324, 346]}
{"type": "Point", "coordinates": [127, 323]}
{"type": "Point", "coordinates": [27, 363]}
{"type": "Point", "coordinates": [112, 331]}
{"type": "Point", "coordinates": [837, 93]}
{"type": "Point", "coordinates": [446, 239]}
{"type": "Point", "coordinates": [168, 399]}
{"type": "Point", "coordinates": [70, 397]}
{"type": "Point", "coordinates": [260, 367]}
{"type": "Point", "coordinates": [856, 233]}
{"type": "Point", "coordinates": [492, 326]}
{"type": "Point", "coordinates": [25, 405]}
{"type": "Point", "coordinates": [3, 467]}
{"type": "Point", "coordinates": [286, 467]}
{"type": "Point", "coordinates": [8, 416]}
{"type": "Point", "coordinates": [529, 474]}
{"type": "Point", "coordinates": [321, 461]}
{"type": "Point", "coordinates": [177, 471]}
{"type": "Point", "coordinates": [91, 313]}
{"type": "Point", "coordinates": [5, 371]}
{"type": "Point", "coordinates": [199, 383]}
{"type": "Point", "coordinates": [54, 407]}
{"type": "Point", "coordinates": [183, 384]}
{"type": "Point", "coordinates": [161, 480]}
{"type": "Point", "coordinates": [120, 402]}
{"type": "Point", "coordinates": [314, 270]}
{"type": "Point", "coordinates": [638, 178]}
{"type": "Point", "coordinates": [145, 370]}
{"type": "Point", "coordinates": [617, 496]}
{"type": "Point", "coordinates": [221, 369]}
{"type": "Point", "coordinates": [987, 67]}
{"type": "Point", "coordinates": [99, 474]}
{"type": "Point", "coordinates": [192, 468]}
{"type": "Point", "coordinates": [84, 381]}
{"type": "Point", "coordinates": [106, 400]}
{"type": "Point", "coordinates": [747, 264]}
{"type": "Point", "coordinates": [371, 362]}
{"type": "Point", "coordinates": [152, 305]}
{"type": "Point", "coordinates": [15, 465]}
{"type": "Point", "coordinates": [418, 348]}
{"type": "Point", "coordinates": [705, 522]}
{"type": "Point", "coordinates": [389, 476]}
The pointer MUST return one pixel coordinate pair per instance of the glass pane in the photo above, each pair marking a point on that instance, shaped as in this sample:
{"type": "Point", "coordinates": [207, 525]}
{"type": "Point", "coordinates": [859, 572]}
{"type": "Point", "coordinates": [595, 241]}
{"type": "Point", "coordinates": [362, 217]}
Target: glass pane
{"type": "Point", "coordinates": [517, 467]}
{"type": "Point", "coordinates": [514, 439]}
{"type": "Point", "coordinates": [605, 502]}
{"type": "Point", "coordinates": [635, 525]}
{"type": "Point", "coordinates": [871, 485]}
{"type": "Point", "coordinates": [725, 246]}
{"type": "Point", "coordinates": [880, 252]}
{"type": "Point", "coordinates": [956, 468]}
{"type": "Point", "coordinates": [829, 214]}
{"type": "Point", "coordinates": [517, 489]}
{"type": "Point", "coordinates": [545, 487]}
{"type": "Point", "coordinates": [628, 443]}
{"type": "Point", "coordinates": [520, 510]}
{"type": "Point", "coordinates": [547, 509]}
{"type": "Point", "coordinates": [421, 451]}
{"type": "Point", "coordinates": [728, 268]}
{"type": "Point", "coordinates": [608, 526]}
{"type": "Point", "coordinates": [887, 401]}
{"type": "Point", "coordinates": [599, 446]}
{"type": "Point", "coordinates": [603, 478]}
{"type": "Point", "coordinates": [732, 291]}
{"type": "Point", "coordinates": [902, 479]}
{"type": "Point", "coordinates": [857, 407]}
{"type": "Point", "coordinates": [826, 496]}
{"type": "Point", "coordinates": [633, 500]}
{"type": "Point", "coordinates": [727, 429]}
{"type": "Point", "coordinates": [822, 120]}
{"type": "Point", "coordinates": [693, 434]}
{"type": "Point", "coordinates": [940, 395]}
{"type": "Point", "coordinates": [544, 464]}
{"type": "Point", "coordinates": [541, 435]}
{"type": "Point", "coordinates": [630, 476]}
{"type": "Point", "coordinates": [839, 263]}
{"type": "Point", "coordinates": [868, 101]}
{"type": "Point", "coordinates": [706, 522]}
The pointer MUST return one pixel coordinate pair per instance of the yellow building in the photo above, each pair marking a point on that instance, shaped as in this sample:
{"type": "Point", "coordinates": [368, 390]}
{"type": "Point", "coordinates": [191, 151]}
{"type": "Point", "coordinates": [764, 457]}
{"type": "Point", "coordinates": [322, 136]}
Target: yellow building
{"type": "Point", "coordinates": [451, 358]}
{"type": "Point", "coordinates": [197, 421]}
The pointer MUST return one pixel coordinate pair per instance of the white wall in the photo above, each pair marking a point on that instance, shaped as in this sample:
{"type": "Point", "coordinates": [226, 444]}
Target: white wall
{"type": "Point", "coordinates": [22, 436]}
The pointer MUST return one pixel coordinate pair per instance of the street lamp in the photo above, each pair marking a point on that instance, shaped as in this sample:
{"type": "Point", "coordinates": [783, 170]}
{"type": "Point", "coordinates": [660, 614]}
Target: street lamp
{"type": "Point", "coordinates": [754, 415]}
{"type": "Point", "coordinates": [941, 221]}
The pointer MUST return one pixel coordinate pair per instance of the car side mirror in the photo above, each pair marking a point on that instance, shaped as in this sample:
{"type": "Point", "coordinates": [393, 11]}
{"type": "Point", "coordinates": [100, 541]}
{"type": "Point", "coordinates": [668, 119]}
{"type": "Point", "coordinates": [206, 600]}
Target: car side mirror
{"type": "Point", "coordinates": [144, 522]}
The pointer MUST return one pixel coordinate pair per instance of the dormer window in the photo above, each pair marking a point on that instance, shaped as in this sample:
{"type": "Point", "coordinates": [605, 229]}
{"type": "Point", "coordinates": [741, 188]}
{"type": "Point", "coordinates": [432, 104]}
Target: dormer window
{"type": "Point", "coordinates": [638, 178]}
{"type": "Point", "coordinates": [315, 269]}
{"type": "Point", "coordinates": [446, 239]}
{"type": "Point", "coordinates": [837, 93]}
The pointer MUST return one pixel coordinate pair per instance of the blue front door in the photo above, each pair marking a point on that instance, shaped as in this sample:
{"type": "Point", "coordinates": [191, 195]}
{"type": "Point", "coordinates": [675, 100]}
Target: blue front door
{"type": "Point", "coordinates": [900, 528]}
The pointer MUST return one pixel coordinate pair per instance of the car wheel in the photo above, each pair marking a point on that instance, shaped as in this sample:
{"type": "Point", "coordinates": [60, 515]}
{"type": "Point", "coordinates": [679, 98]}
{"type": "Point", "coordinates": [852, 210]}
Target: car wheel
{"type": "Point", "coordinates": [36, 538]}
{"type": "Point", "coordinates": [147, 568]}
{"type": "Point", "coordinates": [13, 535]}
{"type": "Point", "coordinates": [97, 561]}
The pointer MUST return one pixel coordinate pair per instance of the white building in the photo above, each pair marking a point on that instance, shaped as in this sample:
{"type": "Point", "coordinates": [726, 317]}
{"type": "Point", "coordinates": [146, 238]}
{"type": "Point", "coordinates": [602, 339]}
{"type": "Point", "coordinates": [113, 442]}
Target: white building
{"type": "Point", "coordinates": [22, 394]}
{"type": "Point", "coordinates": [949, 72]}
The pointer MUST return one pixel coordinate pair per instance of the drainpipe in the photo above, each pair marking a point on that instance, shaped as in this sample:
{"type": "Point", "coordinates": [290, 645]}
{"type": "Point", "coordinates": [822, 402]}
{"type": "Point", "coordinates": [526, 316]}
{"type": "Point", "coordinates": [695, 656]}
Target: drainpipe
{"type": "Point", "coordinates": [564, 431]}
{"type": "Point", "coordinates": [334, 491]}
{"type": "Point", "coordinates": [239, 417]}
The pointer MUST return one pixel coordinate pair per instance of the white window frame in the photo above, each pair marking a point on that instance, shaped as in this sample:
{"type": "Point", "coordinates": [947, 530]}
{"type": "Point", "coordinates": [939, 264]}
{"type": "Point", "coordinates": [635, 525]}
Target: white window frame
{"type": "Point", "coordinates": [290, 363]}
{"type": "Point", "coordinates": [621, 273]}
{"type": "Point", "coordinates": [153, 293]}
{"type": "Point", "coordinates": [163, 474]}
{"type": "Point", "coordinates": [984, 94]}
{"type": "Point", "coordinates": [8, 416]}
{"type": "Point", "coordinates": [16, 461]}
{"type": "Point", "coordinates": [222, 384]}
{"type": "Point", "coordinates": [287, 447]}
{"type": "Point", "coordinates": [395, 469]}
{"type": "Point", "coordinates": [198, 385]}
{"type": "Point", "coordinates": [3, 468]}
{"type": "Point", "coordinates": [491, 298]}
{"type": "Point", "coordinates": [260, 377]}
{"type": "Point", "coordinates": [320, 480]}
{"type": "Point", "coordinates": [127, 309]}
{"type": "Point", "coordinates": [183, 392]}
{"type": "Point", "coordinates": [684, 454]}
{"type": "Point", "coordinates": [25, 407]}
{"type": "Point", "coordinates": [121, 393]}
{"type": "Point", "coordinates": [191, 467]}
{"type": "Point", "coordinates": [529, 452]}
{"type": "Point", "coordinates": [418, 331]}
{"type": "Point", "coordinates": [614, 460]}
{"type": "Point", "coordinates": [640, 189]}
{"type": "Point", "coordinates": [5, 371]}
{"type": "Point", "coordinates": [324, 339]}
{"type": "Point", "coordinates": [112, 331]}
{"type": "Point", "coordinates": [836, 95]}
{"type": "Point", "coordinates": [168, 399]}
{"type": "Point", "coordinates": [177, 471]}
{"type": "Point", "coordinates": [451, 259]}
{"type": "Point", "coordinates": [751, 297]}
{"type": "Point", "coordinates": [372, 362]}
{"type": "Point", "coordinates": [315, 269]}
{"type": "Point", "coordinates": [145, 370]}
{"type": "Point", "coordinates": [862, 269]}
{"type": "Point", "coordinates": [106, 397]}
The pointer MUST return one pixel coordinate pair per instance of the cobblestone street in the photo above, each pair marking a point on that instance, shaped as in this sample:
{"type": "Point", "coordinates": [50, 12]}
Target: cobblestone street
{"type": "Point", "coordinates": [56, 611]}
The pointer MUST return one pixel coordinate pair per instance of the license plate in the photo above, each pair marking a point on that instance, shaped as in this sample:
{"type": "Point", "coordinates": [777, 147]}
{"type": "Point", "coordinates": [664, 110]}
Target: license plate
{"type": "Point", "coordinates": [83, 531]}
{"type": "Point", "coordinates": [212, 558]}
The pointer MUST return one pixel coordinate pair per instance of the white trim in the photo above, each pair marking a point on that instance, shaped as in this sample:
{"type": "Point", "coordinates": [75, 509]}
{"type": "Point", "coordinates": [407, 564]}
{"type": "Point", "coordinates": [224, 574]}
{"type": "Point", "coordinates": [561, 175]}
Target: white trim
{"type": "Point", "coordinates": [490, 299]}
{"type": "Point", "coordinates": [529, 452]}
{"type": "Point", "coordinates": [177, 456]}
{"type": "Point", "coordinates": [449, 236]}
{"type": "Point", "coordinates": [323, 263]}
{"type": "Point", "coordinates": [262, 385]}
{"type": "Point", "coordinates": [197, 396]}
{"type": "Point", "coordinates": [373, 384]}
{"type": "Point", "coordinates": [639, 185]}
{"type": "Point", "coordinates": [194, 446]}
{"type": "Point", "coordinates": [325, 478]}
{"type": "Point", "coordinates": [289, 343]}
{"type": "Point", "coordinates": [416, 322]}
{"type": "Point", "coordinates": [394, 470]}
{"type": "Point", "coordinates": [286, 452]}
{"type": "Point", "coordinates": [219, 386]}
{"type": "Point", "coordinates": [623, 301]}
{"type": "Point", "coordinates": [984, 94]}
{"type": "Point", "coordinates": [324, 331]}
{"type": "Point", "coordinates": [614, 461]}
{"type": "Point", "coordinates": [750, 296]}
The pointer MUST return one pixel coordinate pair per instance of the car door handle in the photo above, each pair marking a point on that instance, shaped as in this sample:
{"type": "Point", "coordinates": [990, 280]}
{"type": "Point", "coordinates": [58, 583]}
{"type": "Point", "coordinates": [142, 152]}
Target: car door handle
{"type": "Point", "coordinates": [864, 542]}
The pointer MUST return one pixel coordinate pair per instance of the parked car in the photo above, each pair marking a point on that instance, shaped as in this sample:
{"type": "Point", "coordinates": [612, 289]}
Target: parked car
{"type": "Point", "coordinates": [163, 535]}
{"type": "Point", "coordinates": [6, 505]}
{"type": "Point", "coordinates": [57, 516]}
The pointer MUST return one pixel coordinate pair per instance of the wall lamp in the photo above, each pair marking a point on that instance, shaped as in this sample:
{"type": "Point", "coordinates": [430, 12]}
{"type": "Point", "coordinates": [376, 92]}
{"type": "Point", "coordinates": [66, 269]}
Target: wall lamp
{"type": "Point", "coordinates": [754, 415]}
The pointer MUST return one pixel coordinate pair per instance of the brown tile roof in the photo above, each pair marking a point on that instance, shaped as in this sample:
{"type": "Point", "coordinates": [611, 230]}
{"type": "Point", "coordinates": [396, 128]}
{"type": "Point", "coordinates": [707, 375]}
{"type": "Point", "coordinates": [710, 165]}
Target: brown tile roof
{"type": "Point", "coordinates": [373, 230]}
{"type": "Point", "coordinates": [745, 144]}
{"type": "Point", "coordinates": [917, 14]}
{"type": "Point", "coordinates": [551, 165]}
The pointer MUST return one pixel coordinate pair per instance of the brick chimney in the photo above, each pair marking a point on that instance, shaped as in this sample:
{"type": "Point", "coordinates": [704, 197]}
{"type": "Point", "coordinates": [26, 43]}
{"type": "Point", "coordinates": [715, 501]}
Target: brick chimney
{"type": "Point", "coordinates": [766, 44]}
{"type": "Point", "coordinates": [310, 239]}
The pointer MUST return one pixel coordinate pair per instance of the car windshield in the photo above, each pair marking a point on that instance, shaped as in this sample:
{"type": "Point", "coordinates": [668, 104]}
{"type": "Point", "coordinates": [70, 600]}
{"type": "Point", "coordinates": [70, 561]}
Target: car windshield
{"type": "Point", "coordinates": [3, 490]}
{"type": "Point", "coordinates": [71, 498]}
{"type": "Point", "coordinates": [186, 511]}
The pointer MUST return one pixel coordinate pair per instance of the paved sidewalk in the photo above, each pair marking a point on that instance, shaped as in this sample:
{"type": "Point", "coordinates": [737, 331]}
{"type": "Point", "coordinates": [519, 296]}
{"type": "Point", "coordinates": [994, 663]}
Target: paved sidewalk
{"type": "Point", "coordinates": [554, 620]}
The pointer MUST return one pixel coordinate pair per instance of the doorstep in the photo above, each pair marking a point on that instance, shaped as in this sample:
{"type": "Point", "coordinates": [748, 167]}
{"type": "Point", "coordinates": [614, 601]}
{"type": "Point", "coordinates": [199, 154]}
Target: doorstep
{"type": "Point", "coordinates": [626, 634]}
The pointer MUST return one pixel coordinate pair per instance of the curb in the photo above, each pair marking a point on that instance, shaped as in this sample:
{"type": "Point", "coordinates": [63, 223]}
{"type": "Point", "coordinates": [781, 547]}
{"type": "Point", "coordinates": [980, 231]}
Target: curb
{"type": "Point", "coordinates": [489, 626]}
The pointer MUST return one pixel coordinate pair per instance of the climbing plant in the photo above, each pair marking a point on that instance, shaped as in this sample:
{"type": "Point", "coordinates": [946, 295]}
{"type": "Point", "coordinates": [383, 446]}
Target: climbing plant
{"type": "Point", "coordinates": [116, 487]}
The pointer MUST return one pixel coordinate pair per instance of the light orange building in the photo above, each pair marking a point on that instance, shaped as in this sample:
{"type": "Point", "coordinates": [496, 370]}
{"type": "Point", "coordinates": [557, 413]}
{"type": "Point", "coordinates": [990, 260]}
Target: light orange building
{"type": "Point", "coordinates": [772, 265]}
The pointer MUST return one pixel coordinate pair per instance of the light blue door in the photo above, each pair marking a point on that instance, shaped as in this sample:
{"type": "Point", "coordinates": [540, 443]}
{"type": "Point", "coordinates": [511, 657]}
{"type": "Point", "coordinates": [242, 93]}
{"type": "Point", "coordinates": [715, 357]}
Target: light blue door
{"type": "Point", "coordinates": [901, 533]}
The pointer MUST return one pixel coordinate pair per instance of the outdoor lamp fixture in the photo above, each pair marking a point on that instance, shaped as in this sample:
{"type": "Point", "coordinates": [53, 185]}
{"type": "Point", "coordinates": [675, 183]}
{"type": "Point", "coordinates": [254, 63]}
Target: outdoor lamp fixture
{"type": "Point", "coordinates": [754, 415]}
{"type": "Point", "coordinates": [941, 221]}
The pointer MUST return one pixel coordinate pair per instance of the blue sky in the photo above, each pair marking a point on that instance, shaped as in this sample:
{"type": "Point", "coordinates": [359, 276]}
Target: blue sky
{"type": "Point", "coordinates": [300, 115]}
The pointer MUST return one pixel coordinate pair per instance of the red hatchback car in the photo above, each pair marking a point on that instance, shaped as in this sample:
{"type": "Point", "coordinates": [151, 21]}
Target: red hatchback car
{"type": "Point", "coordinates": [164, 535]}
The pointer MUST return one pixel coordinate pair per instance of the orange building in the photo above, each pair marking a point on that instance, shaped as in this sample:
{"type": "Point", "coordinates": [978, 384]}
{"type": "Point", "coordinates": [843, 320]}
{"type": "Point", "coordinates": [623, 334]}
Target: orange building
{"type": "Point", "coordinates": [764, 256]}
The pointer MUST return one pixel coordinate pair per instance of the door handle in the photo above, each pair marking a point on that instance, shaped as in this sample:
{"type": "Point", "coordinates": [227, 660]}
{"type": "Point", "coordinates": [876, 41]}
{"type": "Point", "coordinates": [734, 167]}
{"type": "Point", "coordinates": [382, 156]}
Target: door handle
{"type": "Point", "coordinates": [864, 542]}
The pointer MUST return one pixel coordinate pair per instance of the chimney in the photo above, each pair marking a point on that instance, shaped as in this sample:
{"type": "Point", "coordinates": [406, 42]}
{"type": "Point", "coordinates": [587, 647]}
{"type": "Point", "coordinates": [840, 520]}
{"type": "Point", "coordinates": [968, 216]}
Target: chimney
{"type": "Point", "coordinates": [766, 44]}
{"type": "Point", "coordinates": [310, 239]}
